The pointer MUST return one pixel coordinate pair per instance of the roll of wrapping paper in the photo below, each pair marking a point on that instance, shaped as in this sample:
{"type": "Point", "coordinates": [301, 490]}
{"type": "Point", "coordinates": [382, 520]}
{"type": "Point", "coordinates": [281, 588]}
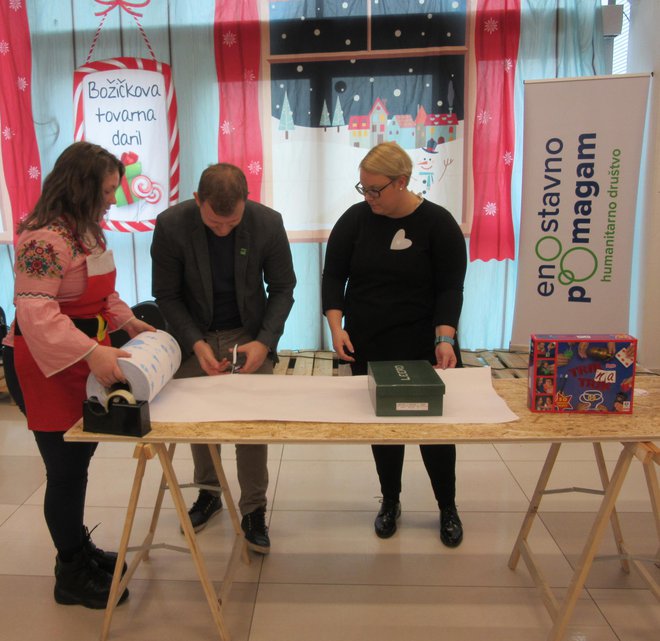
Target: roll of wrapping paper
{"type": "Point", "coordinates": [155, 357]}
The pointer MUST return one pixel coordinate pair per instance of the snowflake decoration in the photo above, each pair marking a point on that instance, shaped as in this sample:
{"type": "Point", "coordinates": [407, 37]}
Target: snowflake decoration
{"type": "Point", "coordinates": [508, 65]}
{"type": "Point", "coordinates": [507, 158]}
{"type": "Point", "coordinates": [22, 83]}
{"type": "Point", "coordinates": [483, 117]}
{"type": "Point", "coordinates": [491, 25]}
{"type": "Point", "coordinates": [248, 75]}
{"type": "Point", "coordinates": [7, 133]}
{"type": "Point", "coordinates": [254, 167]}
{"type": "Point", "coordinates": [34, 172]}
{"type": "Point", "coordinates": [229, 39]}
{"type": "Point", "coordinates": [226, 127]}
{"type": "Point", "coordinates": [490, 209]}
{"type": "Point", "coordinates": [4, 47]}
{"type": "Point", "coordinates": [15, 5]}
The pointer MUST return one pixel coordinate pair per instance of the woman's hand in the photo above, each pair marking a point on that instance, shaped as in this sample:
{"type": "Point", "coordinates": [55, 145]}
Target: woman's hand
{"type": "Point", "coordinates": [444, 356]}
{"type": "Point", "coordinates": [102, 361]}
{"type": "Point", "coordinates": [341, 342]}
{"type": "Point", "coordinates": [136, 326]}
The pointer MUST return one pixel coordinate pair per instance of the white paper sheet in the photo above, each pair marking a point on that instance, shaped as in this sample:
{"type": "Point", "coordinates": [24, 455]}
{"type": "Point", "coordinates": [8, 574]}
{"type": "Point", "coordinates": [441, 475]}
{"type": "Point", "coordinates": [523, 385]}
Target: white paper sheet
{"type": "Point", "coordinates": [469, 398]}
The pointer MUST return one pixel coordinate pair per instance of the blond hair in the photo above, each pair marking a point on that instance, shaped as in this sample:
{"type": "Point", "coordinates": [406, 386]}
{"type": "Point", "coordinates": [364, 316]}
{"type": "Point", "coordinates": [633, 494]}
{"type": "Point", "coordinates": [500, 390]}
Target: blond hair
{"type": "Point", "coordinates": [387, 159]}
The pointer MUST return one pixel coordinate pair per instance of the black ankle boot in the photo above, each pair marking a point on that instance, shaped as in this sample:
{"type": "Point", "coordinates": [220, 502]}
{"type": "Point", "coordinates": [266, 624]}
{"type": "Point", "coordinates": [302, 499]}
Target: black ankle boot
{"type": "Point", "coordinates": [82, 582]}
{"type": "Point", "coordinates": [385, 523]}
{"type": "Point", "coordinates": [105, 560]}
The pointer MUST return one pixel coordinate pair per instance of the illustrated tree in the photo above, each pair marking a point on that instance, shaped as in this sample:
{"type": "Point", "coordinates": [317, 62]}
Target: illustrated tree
{"type": "Point", "coordinates": [338, 116]}
{"type": "Point", "coordinates": [325, 117]}
{"type": "Point", "coordinates": [286, 118]}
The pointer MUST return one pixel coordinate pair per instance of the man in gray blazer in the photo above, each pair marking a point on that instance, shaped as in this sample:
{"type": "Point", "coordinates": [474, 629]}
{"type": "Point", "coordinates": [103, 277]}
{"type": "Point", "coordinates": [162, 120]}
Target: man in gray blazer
{"type": "Point", "coordinates": [211, 257]}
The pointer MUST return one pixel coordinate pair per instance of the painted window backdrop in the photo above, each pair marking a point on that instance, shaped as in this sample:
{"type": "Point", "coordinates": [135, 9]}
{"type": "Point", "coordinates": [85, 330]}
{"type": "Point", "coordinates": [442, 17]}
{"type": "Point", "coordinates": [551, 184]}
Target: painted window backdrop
{"type": "Point", "coordinates": [346, 76]}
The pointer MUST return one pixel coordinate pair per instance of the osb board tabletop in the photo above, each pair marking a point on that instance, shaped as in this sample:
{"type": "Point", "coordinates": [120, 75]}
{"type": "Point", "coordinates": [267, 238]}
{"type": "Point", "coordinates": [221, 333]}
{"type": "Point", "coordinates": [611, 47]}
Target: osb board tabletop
{"type": "Point", "coordinates": [642, 425]}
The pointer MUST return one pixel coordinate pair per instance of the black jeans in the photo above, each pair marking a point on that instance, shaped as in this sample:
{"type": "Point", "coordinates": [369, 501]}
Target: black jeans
{"type": "Point", "coordinates": [66, 486]}
{"type": "Point", "coordinates": [439, 461]}
{"type": "Point", "coordinates": [11, 378]}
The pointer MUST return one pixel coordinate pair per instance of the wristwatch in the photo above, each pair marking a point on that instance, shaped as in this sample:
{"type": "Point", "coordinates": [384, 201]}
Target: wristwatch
{"type": "Point", "coordinates": [444, 339]}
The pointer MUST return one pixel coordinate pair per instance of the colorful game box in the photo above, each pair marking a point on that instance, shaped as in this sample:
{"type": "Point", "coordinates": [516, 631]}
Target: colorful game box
{"type": "Point", "coordinates": [582, 373]}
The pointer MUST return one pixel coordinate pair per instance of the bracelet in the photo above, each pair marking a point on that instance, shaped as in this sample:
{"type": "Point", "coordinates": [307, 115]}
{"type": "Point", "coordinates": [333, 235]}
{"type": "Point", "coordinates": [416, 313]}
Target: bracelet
{"type": "Point", "coordinates": [444, 339]}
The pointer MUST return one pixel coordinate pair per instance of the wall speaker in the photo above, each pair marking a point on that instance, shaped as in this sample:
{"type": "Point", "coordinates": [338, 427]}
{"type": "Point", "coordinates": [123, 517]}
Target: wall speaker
{"type": "Point", "coordinates": [612, 19]}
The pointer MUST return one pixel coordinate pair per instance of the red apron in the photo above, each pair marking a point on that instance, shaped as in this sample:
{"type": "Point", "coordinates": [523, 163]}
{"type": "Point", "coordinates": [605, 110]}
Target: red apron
{"type": "Point", "coordinates": [54, 404]}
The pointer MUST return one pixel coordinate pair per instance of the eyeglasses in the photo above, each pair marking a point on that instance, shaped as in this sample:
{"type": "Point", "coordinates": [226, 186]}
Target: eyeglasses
{"type": "Point", "coordinates": [372, 193]}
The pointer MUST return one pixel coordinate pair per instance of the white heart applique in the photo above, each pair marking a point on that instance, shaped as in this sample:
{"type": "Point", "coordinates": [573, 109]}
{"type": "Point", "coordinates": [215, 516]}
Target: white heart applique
{"type": "Point", "coordinates": [400, 241]}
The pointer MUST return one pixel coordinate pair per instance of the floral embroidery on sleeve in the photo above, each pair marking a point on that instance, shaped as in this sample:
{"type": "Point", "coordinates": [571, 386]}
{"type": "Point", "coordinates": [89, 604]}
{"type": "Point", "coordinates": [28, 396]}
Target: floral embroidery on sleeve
{"type": "Point", "coordinates": [39, 259]}
{"type": "Point", "coordinates": [72, 241]}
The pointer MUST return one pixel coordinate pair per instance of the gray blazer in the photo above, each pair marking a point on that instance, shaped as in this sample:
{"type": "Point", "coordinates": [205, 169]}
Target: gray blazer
{"type": "Point", "coordinates": [182, 283]}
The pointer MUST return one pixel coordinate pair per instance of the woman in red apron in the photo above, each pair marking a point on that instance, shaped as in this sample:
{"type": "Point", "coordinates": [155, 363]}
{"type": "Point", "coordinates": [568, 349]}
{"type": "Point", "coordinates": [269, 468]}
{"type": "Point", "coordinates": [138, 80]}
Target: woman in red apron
{"type": "Point", "coordinates": [65, 303]}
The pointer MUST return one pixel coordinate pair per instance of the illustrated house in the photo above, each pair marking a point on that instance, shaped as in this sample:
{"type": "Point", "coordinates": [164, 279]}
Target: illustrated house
{"type": "Point", "coordinates": [378, 119]}
{"type": "Point", "coordinates": [402, 130]}
{"type": "Point", "coordinates": [420, 127]}
{"type": "Point", "coordinates": [441, 127]}
{"type": "Point", "coordinates": [358, 131]}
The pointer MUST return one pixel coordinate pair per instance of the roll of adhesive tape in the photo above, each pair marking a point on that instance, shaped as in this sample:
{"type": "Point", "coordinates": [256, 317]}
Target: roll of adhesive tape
{"type": "Point", "coordinates": [120, 396]}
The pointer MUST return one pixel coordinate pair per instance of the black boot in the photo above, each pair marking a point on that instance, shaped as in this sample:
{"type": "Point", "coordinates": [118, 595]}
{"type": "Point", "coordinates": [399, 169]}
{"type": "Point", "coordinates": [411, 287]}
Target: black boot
{"type": "Point", "coordinates": [82, 582]}
{"type": "Point", "coordinates": [105, 560]}
{"type": "Point", "coordinates": [385, 523]}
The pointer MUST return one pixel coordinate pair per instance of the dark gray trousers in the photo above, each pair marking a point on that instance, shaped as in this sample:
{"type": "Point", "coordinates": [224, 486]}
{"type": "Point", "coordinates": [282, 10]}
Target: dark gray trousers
{"type": "Point", "coordinates": [251, 460]}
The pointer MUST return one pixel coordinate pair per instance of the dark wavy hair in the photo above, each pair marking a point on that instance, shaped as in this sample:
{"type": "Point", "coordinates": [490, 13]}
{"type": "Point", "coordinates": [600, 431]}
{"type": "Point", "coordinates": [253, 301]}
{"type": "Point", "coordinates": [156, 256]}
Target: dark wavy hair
{"type": "Point", "coordinates": [73, 191]}
{"type": "Point", "coordinates": [223, 186]}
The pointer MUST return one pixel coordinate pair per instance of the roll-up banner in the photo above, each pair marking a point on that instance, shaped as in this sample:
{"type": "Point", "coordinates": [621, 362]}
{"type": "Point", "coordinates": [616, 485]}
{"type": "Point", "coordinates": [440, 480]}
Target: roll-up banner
{"type": "Point", "coordinates": [581, 155]}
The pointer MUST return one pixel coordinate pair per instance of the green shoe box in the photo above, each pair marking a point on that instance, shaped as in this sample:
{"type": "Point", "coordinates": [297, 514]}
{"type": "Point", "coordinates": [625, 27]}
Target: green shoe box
{"type": "Point", "coordinates": [405, 388]}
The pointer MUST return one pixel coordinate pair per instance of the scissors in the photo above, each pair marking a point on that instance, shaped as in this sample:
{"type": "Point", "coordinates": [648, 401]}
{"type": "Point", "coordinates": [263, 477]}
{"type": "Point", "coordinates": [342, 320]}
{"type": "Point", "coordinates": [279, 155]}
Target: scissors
{"type": "Point", "coordinates": [235, 368]}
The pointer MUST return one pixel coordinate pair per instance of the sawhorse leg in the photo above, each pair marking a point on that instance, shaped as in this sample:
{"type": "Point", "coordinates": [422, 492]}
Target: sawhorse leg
{"type": "Point", "coordinates": [165, 455]}
{"type": "Point", "coordinates": [143, 453]}
{"type": "Point", "coordinates": [239, 547]}
{"type": "Point", "coordinates": [191, 539]}
{"type": "Point", "coordinates": [565, 611]}
{"type": "Point", "coordinates": [649, 455]}
{"type": "Point", "coordinates": [614, 517]}
{"type": "Point", "coordinates": [561, 613]}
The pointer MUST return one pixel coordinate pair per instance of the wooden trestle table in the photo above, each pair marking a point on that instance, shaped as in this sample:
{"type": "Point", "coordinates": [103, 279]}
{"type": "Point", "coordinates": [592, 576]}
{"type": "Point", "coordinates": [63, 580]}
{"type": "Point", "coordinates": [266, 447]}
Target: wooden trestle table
{"type": "Point", "coordinates": [636, 433]}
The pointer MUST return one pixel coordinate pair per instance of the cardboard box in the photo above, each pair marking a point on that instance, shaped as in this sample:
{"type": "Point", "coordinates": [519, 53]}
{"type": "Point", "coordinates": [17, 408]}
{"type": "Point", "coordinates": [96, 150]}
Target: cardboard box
{"type": "Point", "coordinates": [583, 373]}
{"type": "Point", "coordinates": [405, 388]}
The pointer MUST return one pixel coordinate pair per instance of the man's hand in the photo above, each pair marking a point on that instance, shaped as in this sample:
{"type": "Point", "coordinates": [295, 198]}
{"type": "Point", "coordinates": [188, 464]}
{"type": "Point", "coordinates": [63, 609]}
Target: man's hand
{"type": "Point", "coordinates": [208, 361]}
{"type": "Point", "coordinates": [255, 354]}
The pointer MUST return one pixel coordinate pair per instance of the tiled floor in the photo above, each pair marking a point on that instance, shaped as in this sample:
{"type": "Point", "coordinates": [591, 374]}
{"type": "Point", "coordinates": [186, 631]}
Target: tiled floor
{"type": "Point", "coordinates": [328, 578]}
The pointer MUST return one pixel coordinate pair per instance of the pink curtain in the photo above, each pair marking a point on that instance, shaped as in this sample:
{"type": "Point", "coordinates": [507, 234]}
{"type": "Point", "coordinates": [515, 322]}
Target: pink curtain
{"type": "Point", "coordinates": [237, 58]}
{"type": "Point", "coordinates": [497, 33]}
{"type": "Point", "coordinates": [20, 154]}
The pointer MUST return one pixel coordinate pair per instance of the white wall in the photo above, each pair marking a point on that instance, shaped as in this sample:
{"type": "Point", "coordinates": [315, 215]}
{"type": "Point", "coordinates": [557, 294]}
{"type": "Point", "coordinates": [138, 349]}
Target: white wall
{"type": "Point", "coordinates": [644, 56]}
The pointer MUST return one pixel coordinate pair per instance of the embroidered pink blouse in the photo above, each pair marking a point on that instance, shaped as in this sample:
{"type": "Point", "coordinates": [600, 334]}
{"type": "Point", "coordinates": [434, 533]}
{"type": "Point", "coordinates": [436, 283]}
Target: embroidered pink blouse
{"type": "Point", "coordinates": [51, 268]}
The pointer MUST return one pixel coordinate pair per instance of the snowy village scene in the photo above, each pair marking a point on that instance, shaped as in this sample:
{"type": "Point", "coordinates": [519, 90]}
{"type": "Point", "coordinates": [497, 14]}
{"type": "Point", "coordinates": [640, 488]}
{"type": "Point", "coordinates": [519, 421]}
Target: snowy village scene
{"type": "Point", "coordinates": [326, 114]}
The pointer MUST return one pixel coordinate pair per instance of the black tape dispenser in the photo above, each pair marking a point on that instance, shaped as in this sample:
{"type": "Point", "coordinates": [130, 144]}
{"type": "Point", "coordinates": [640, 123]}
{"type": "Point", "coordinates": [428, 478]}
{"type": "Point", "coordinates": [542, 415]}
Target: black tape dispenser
{"type": "Point", "coordinates": [121, 413]}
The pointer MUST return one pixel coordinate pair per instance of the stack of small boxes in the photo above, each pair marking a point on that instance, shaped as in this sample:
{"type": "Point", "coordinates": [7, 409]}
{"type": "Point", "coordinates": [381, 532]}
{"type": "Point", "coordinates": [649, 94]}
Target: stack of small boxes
{"type": "Point", "coordinates": [582, 373]}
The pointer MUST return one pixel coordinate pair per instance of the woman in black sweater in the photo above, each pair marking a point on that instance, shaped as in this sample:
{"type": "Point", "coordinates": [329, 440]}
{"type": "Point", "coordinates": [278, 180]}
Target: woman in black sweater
{"type": "Point", "coordinates": [394, 271]}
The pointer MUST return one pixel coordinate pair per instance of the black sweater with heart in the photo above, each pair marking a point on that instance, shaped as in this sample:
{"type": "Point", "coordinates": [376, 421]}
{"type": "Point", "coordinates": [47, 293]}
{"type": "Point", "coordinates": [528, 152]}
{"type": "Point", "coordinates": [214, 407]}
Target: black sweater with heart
{"type": "Point", "coordinates": [395, 279]}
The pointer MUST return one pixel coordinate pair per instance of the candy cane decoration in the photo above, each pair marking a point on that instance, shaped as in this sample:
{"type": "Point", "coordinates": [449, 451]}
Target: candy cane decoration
{"type": "Point", "coordinates": [151, 192]}
{"type": "Point", "coordinates": [155, 193]}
